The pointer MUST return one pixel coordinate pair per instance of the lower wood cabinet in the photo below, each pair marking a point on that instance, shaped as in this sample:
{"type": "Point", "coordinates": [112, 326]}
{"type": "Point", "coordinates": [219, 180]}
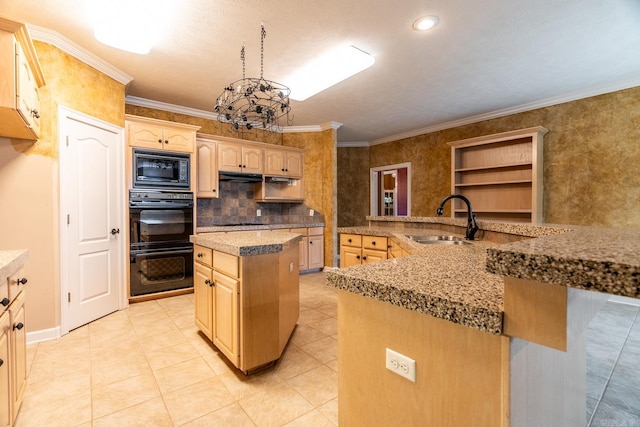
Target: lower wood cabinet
{"type": "Point", "coordinates": [247, 306]}
{"type": "Point", "coordinates": [311, 254]}
{"type": "Point", "coordinates": [360, 249]}
{"type": "Point", "coordinates": [13, 346]}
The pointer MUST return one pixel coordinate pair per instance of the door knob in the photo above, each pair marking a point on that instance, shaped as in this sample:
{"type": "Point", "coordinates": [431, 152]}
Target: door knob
{"type": "Point", "coordinates": [115, 231]}
{"type": "Point", "coordinates": [5, 301]}
{"type": "Point", "coordinates": [18, 326]}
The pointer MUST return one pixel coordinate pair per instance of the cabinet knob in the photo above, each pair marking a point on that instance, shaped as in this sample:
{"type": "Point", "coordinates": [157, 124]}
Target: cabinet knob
{"type": "Point", "coordinates": [311, 243]}
{"type": "Point", "coordinates": [166, 141]}
{"type": "Point", "coordinates": [22, 281]}
{"type": "Point", "coordinates": [208, 282]}
{"type": "Point", "coordinates": [1, 362]}
{"type": "Point", "coordinates": [159, 141]}
{"type": "Point", "coordinates": [199, 254]}
{"type": "Point", "coordinates": [115, 231]}
{"type": "Point", "coordinates": [35, 114]}
{"type": "Point", "coordinates": [349, 240]}
{"type": "Point", "coordinates": [5, 301]}
{"type": "Point", "coordinates": [364, 257]}
{"type": "Point", "coordinates": [18, 326]}
{"type": "Point", "coordinates": [373, 243]}
{"type": "Point", "coordinates": [357, 256]}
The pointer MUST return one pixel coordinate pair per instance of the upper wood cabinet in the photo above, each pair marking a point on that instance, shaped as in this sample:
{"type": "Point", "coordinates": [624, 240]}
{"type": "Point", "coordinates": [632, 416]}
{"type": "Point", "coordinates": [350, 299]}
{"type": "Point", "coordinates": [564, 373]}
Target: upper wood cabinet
{"type": "Point", "coordinates": [500, 174]}
{"type": "Point", "coordinates": [144, 132]}
{"type": "Point", "coordinates": [237, 157]}
{"type": "Point", "coordinates": [21, 79]}
{"type": "Point", "coordinates": [280, 162]}
{"type": "Point", "coordinates": [207, 174]}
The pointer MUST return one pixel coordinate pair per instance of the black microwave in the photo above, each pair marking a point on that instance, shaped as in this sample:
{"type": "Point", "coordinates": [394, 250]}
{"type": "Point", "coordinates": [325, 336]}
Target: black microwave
{"type": "Point", "coordinates": [161, 169]}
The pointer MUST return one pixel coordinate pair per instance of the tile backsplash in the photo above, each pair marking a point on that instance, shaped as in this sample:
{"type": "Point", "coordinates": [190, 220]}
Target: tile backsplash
{"type": "Point", "coordinates": [236, 205]}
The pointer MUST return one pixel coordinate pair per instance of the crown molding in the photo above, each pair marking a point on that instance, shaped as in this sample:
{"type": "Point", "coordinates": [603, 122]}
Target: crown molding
{"type": "Point", "coordinates": [353, 144]}
{"type": "Point", "coordinates": [64, 44]}
{"type": "Point", "coordinates": [172, 108]}
{"type": "Point", "coordinates": [600, 90]}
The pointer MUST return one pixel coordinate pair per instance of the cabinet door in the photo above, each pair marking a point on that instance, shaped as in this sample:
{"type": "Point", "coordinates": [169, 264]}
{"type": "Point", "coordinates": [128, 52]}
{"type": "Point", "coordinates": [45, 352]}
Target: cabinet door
{"type": "Point", "coordinates": [178, 140]}
{"type": "Point", "coordinates": [370, 255]}
{"type": "Point", "coordinates": [5, 374]}
{"type": "Point", "coordinates": [18, 344]}
{"type": "Point", "coordinates": [252, 160]}
{"type": "Point", "coordinates": [293, 165]}
{"type": "Point", "coordinates": [29, 100]}
{"type": "Point", "coordinates": [229, 157]}
{"type": "Point", "coordinates": [303, 256]}
{"type": "Point", "coordinates": [316, 251]}
{"type": "Point", "coordinates": [349, 256]}
{"type": "Point", "coordinates": [274, 163]}
{"type": "Point", "coordinates": [203, 296]}
{"type": "Point", "coordinates": [145, 136]}
{"type": "Point", "coordinates": [207, 185]}
{"type": "Point", "coordinates": [225, 317]}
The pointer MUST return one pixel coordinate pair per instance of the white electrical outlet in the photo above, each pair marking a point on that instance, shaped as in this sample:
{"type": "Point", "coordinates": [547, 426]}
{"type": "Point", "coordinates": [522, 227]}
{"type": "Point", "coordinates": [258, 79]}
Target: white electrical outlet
{"type": "Point", "coordinates": [401, 365]}
{"type": "Point", "coordinates": [258, 212]}
{"type": "Point", "coordinates": [311, 212]}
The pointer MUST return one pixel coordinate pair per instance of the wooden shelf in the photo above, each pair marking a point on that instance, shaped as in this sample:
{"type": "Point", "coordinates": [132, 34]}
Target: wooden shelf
{"type": "Point", "coordinates": [478, 184]}
{"type": "Point", "coordinates": [500, 174]}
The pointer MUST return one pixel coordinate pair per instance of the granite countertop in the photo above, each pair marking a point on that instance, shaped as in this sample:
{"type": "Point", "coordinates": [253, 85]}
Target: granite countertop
{"type": "Point", "coordinates": [10, 261]}
{"type": "Point", "coordinates": [471, 297]}
{"type": "Point", "coordinates": [463, 284]}
{"type": "Point", "coordinates": [252, 227]}
{"type": "Point", "coordinates": [247, 243]}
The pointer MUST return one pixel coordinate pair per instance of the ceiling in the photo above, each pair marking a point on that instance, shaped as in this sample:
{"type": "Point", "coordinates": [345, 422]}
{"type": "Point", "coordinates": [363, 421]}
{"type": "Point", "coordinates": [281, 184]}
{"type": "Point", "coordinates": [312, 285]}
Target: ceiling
{"type": "Point", "coordinates": [485, 58]}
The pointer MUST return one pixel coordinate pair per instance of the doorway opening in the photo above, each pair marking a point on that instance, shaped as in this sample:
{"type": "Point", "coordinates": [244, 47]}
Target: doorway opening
{"type": "Point", "coordinates": [391, 190]}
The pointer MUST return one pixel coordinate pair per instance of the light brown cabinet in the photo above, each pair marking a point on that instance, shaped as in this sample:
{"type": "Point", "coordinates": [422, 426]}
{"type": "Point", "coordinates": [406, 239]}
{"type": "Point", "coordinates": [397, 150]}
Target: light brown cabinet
{"type": "Point", "coordinates": [247, 306]}
{"type": "Point", "coordinates": [13, 346]}
{"type": "Point", "coordinates": [285, 163]}
{"type": "Point", "coordinates": [144, 132]}
{"type": "Point", "coordinates": [394, 250]}
{"type": "Point", "coordinates": [234, 157]}
{"type": "Point", "coordinates": [311, 248]}
{"type": "Point", "coordinates": [500, 174]}
{"type": "Point", "coordinates": [207, 174]}
{"type": "Point", "coordinates": [360, 249]}
{"type": "Point", "coordinates": [21, 80]}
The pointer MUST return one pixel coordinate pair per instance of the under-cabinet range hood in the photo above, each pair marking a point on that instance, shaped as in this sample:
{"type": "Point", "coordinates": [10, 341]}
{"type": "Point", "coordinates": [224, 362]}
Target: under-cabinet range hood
{"type": "Point", "coordinates": [240, 177]}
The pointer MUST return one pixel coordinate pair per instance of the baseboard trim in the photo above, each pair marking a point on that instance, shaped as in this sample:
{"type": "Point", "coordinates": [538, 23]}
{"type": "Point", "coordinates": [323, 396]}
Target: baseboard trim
{"type": "Point", "coordinates": [43, 335]}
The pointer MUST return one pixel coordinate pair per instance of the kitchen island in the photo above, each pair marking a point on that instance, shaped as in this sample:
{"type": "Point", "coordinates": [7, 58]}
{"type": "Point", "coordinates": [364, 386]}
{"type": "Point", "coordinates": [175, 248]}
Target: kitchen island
{"type": "Point", "coordinates": [496, 330]}
{"type": "Point", "coordinates": [246, 293]}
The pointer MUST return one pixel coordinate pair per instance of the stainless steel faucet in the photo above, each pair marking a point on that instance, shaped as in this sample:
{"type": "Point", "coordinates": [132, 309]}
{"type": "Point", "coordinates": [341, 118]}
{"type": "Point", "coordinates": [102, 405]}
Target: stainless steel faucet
{"type": "Point", "coordinates": [472, 225]}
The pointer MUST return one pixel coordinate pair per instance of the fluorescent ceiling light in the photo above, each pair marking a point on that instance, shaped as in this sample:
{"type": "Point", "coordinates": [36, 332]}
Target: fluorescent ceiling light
{"type": "Point", "coordinates": [130, 25]}
{"type": "Point", "coordinates": [326, 70]}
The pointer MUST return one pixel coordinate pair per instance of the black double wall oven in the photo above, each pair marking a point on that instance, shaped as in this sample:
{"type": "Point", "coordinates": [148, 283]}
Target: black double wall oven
{"type": "Point", "coordinates": [160, 223]}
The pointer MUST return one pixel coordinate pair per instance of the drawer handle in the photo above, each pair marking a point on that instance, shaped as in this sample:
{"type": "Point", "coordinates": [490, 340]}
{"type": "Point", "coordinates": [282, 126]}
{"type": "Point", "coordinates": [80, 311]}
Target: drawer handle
{"type": "Point", "coordinates": [22, 281]}
{"type": "Point", "coordinates": [5, 301]}
{"type": "Point", "coordinates": [349, 240]}
{"type": "Point", "coordinates": [199, 254]}
{"type": "Point", "coordinates": [373, 243]}
{"type": "Point", "coordinates": [18, 326]}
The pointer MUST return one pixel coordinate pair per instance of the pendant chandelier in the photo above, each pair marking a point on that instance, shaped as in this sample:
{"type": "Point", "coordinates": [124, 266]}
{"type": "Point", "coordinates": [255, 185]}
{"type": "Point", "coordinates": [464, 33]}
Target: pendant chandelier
{"type": "Point", "coordinates": [251, 103]}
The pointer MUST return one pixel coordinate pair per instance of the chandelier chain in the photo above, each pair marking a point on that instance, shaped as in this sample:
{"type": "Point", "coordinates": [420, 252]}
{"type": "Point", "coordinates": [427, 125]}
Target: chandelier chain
{"type": "Point", "coordinates": [263, 34]}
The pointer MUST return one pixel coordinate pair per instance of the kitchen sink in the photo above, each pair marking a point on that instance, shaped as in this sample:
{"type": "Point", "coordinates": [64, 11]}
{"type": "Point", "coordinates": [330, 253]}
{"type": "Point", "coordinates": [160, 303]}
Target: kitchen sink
{"type": "Point", "coordinates": [438, 240]}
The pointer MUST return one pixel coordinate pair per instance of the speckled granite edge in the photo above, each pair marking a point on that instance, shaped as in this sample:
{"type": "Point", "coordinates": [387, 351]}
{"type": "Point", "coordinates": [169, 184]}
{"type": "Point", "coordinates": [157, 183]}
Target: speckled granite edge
{"type": "Point", "coordinates": [11, 260]}
{"type": "Point", "coordinates": [473, 317]}
{"type": "Point", "coordinates": [246, 243]}
{"type": "Point", "coordinates": [218, 228]}
{"type": "Point", "coordinates": [519, 229]}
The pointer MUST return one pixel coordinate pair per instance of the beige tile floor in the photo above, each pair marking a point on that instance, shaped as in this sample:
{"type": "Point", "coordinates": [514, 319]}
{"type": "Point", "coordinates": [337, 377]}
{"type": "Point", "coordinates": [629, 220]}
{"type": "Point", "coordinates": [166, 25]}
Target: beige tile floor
{"type": "Point", "coordinates": [147, 365]}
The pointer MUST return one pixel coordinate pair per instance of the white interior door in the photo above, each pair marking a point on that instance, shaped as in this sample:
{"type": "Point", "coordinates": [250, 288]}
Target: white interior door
{"type": "Point", "coordinates": [92, 235]}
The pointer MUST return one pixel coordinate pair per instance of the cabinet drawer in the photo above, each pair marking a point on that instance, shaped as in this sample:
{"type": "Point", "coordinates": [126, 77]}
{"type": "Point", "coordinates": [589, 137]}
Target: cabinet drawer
{"type": "Point", "coordinates": [226, 264]}
{"type": "Point", "coordinates": [316, 231]}
{"type": "Point", "coordinates": [16, 282]}
{"type": "Point", "coordinates": [374, 242]}
{"type": "Point", "coordinates": [203, 255]}
{"type": "Point", "coordinates": [302, 231]}
{"type": "Point", "coordinates": [354, 240]}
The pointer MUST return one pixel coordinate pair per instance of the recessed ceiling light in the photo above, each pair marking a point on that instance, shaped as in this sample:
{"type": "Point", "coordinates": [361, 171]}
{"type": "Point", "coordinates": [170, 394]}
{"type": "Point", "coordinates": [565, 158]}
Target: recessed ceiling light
{"type": "Point", "coordinates": [425, 23]}
{"type": "Point", "coordinates": [327, 70]}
